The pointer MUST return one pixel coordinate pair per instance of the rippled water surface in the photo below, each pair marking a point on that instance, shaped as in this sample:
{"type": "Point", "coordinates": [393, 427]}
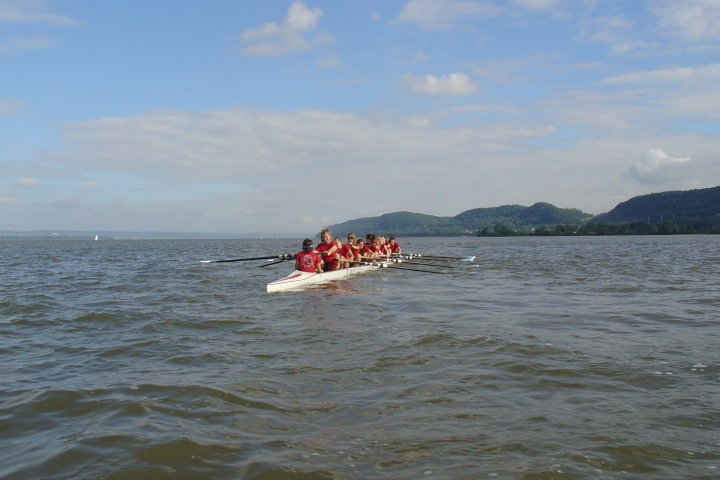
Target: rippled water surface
{"type": "Point", "coordinates": [553, 358]}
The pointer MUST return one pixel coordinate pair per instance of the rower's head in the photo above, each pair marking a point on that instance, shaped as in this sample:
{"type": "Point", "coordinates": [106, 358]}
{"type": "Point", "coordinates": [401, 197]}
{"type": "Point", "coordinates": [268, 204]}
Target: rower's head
{"type": "Point", "coordinates": [338, 241]}
{"type": "Point", "coordinates": [351, 237]}
{"type": "Point", "coordinates": [325, 235]}
{"type": "Point", "coordinates": [392, 240]}
{"type": "Point", "coordinates": [308, 244]}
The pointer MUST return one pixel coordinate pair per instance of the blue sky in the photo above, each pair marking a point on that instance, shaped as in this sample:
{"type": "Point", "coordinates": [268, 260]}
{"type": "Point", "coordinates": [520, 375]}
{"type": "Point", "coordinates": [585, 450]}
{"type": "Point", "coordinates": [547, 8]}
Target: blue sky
{"type": "Point", "coordinates": [282, 116]}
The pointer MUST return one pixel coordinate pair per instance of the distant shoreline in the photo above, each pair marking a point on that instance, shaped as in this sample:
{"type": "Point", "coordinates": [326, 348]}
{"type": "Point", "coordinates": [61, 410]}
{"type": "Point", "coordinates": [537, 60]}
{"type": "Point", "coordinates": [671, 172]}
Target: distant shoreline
{"type": "Point", "coordinates": [90, 236]}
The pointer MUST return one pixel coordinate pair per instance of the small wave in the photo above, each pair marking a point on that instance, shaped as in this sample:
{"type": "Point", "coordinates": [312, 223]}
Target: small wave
{"type": "Point", "coordinates": [637, 458]}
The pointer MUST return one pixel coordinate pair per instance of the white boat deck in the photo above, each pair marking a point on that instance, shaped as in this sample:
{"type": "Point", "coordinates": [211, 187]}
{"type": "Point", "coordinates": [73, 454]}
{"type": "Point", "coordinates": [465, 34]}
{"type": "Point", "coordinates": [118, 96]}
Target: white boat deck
{"type": "Point", "coordinates": [299, 279]}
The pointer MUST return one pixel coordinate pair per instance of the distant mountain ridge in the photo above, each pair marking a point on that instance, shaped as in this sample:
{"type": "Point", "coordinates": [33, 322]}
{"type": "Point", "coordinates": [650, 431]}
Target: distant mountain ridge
{"type": "Point", "coordinates": [682, 206]}
{"type": "Point", "coordinates": [700, 205]}
{"type": "Point", "coordinates": [465, 223]}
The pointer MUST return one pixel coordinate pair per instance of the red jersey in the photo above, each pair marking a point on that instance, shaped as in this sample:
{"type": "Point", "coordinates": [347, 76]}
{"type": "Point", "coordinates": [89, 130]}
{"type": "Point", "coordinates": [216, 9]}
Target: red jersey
{"type": "Point", "coordinates": [354, 249]}
{"type": "Point", "coordinates": [394, 247]}
{"type": "Point", "coordinates": [331, 263]}
{"type": "Point", "coordinates": [346, 252]}
{"type": "Point", "coordinates": [307, 261]}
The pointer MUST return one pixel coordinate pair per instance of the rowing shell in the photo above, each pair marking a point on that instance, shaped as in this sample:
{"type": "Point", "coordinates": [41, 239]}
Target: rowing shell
{"type": "Point", "coordinates": [301, 279]}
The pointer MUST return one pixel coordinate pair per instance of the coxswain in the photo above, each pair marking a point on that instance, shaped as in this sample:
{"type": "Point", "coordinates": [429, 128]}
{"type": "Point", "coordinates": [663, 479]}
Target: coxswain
{"type": "Point", "coordinates": [307, 260]}
{"type": "Point", "coordinates": [329, 250]}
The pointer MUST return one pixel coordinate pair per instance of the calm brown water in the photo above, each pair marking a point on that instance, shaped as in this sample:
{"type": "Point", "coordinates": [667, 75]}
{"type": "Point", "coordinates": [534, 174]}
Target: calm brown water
{"type": "Point", "coordinates": [555, 358]}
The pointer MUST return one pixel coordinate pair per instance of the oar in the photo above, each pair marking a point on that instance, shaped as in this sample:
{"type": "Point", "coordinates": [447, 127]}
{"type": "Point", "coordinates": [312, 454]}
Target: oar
{"type": "Point", "coordinates": [283, 256]}
{"type": "Point", "coordinates": [413, 262]}
{"type": "Point", "coordinates": [273, 263]}
{"type": "Point", "coordinates": [439, 257]}
{"type": "Point", "coordinates": [385, 265]}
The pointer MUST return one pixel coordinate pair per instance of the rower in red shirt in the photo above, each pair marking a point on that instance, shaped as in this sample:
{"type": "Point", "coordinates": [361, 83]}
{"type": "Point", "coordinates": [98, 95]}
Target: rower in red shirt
{"type": "Point", "coordinates": [383, 246]}
{"type": "Point", "coordinates": [394, 247]}
{"type": "Point", "coordinates": [354, 247]}
{"type": "Point", "coordinates": [380, 247]}
{"type": "Point", "coordinates": [328, 250]}
{"type": "Point", "coordinates": [361, 249]}
{"type": "Point", "coordinates": [369, 251]}
{"type": "Point", "coordinates": [344, 252]}
{"type": "Point", "coordinates": [307, 260]}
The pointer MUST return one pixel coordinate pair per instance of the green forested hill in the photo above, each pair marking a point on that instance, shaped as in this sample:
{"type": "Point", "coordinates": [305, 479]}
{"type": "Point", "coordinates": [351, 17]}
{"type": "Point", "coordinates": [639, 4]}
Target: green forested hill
{"type": "Point", "coordinates": [468, 222]}
{"type": "Point", "coordinates": [688, 211]}
{"type": "Point", "coordinates": [518, 217]}
{"type": "Point", "coordinates": [399, 223]}
{"type": "Point", "coordinates": [678, 206]}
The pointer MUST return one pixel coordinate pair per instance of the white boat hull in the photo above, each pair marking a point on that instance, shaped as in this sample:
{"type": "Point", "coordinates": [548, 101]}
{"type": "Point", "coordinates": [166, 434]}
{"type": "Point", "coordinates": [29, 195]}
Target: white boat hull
{"type": "Point", "coordinates": [299, 279]}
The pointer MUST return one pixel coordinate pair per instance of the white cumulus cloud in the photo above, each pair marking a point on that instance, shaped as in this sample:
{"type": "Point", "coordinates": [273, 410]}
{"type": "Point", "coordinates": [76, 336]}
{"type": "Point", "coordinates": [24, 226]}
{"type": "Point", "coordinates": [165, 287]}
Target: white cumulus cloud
{"type": "Point", "coordinates": [453, 84]}
{"type": "Point", "coordinates": [656, 166]}
{"type": "Point", "coordinates": [294, 34]}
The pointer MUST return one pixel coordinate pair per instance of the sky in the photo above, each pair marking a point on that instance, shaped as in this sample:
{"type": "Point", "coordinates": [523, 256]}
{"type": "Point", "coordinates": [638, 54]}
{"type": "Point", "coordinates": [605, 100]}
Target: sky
{"type": "Point", "coordinates": [287, 116]}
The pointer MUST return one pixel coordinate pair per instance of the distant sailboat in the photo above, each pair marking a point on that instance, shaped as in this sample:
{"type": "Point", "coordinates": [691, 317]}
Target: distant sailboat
{"type": "Point", "coordinates": [96, 237]}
